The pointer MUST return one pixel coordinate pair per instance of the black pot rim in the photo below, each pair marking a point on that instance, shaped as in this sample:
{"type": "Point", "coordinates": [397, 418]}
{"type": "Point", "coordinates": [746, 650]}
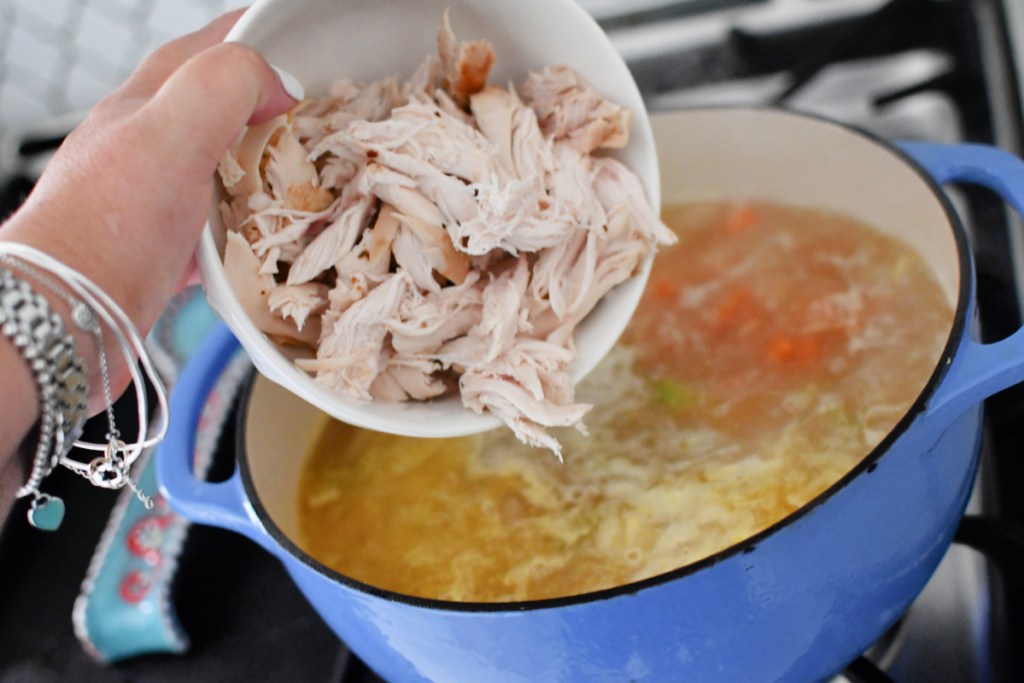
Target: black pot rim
{"type": "Point", "coordinates": [866, 465]}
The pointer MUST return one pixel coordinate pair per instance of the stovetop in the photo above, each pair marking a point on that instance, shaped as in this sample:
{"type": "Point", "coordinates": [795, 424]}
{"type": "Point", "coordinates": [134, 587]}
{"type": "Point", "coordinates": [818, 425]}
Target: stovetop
{"type": "Point", "coordinates": [940, 70]}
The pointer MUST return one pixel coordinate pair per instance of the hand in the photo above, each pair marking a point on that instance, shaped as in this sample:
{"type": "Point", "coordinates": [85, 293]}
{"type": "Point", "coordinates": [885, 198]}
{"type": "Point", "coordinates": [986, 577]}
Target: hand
{"type": "Point", "coordinates": [125, 198]}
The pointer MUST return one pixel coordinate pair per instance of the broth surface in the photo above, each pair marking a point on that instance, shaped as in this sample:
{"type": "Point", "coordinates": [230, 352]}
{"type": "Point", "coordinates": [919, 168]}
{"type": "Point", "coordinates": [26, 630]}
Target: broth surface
{"type": "Point", "coordinates": [773, 349]}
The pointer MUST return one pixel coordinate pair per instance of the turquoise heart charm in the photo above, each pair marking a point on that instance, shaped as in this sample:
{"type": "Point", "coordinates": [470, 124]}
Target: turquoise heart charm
{"type": "Point", "coordinates": [46, 513]}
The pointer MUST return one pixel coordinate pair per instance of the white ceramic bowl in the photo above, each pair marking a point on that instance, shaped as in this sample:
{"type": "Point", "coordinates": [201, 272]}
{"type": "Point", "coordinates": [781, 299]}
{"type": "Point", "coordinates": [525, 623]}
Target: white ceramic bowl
{"type": "Point", "coordinates": [320, 41]}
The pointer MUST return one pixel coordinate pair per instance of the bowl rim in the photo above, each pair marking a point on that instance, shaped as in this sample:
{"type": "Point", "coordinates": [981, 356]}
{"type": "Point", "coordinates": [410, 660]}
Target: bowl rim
{"type": "Point", "coordinates": [412, 418]}
{"type": "Point", "coordinates": [865, 466]}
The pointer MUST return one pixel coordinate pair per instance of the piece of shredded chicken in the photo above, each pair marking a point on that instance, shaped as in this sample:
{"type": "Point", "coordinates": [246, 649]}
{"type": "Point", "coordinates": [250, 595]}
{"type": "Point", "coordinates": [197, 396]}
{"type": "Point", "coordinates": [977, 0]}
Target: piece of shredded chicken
{"type": "Point", "coordinates": [439, 235]}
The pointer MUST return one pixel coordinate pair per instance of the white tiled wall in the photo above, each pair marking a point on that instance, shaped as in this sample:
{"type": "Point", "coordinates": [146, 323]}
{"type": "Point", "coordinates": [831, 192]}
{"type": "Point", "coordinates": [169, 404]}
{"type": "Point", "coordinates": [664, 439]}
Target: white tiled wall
{"type": "Point", "coordinates": [59, 57]}
{"type": "Point", "coordinates": [62, 56]}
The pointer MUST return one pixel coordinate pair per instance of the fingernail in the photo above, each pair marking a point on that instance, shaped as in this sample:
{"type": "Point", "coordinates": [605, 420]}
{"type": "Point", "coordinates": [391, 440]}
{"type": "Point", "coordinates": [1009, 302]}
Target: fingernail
{"type": "Point", "coordinates": [290, 84]}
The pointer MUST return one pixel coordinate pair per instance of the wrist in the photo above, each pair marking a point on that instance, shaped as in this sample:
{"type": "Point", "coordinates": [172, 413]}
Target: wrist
{"type": "Point", "coordinates": [28, 229]}
{"type": "Point", "coordinates": [82, 247]}
{"type": "Point", "coordinates": [21, 407]}
{"type": "Point", "coordinates": [85, 344]}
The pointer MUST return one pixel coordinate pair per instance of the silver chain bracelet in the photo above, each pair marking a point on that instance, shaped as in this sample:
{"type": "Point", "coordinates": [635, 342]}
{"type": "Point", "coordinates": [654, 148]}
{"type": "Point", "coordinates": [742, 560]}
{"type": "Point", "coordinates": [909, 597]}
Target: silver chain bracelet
{"type": "Point", "coordinates": [52, 356]}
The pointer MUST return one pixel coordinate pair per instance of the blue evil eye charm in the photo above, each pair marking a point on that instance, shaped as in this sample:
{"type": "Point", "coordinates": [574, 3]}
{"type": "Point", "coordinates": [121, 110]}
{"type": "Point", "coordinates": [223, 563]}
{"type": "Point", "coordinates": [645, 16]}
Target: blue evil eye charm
{"type": "Point", "coordinates": [46, 513]}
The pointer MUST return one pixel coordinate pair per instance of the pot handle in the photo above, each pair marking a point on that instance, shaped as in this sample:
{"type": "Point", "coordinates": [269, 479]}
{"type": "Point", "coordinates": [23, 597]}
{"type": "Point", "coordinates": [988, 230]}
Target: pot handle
{"type": "Point", "coordinates": [979, 370]}
{"type": "Point", "coordinates": [222, 504]}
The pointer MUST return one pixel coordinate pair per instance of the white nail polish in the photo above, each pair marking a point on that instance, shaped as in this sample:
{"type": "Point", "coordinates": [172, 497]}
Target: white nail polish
{"type": "Point", "coordinates": [290, 83]}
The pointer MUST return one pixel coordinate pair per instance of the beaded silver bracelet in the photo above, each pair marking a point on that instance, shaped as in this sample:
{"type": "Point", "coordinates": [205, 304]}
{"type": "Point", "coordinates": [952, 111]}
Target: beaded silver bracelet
{"type": "Point", "coordinates": [52, 356]}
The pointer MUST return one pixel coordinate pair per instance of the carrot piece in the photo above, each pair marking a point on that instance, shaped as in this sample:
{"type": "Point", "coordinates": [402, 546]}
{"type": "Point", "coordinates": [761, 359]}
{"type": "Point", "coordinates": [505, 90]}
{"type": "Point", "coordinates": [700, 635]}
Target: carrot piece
{"type": "Point", "coordinates": [666, 289]}
{"type": "Point", "coordinates": [796, 349]}
{"type": "Point", "coordinates": [741, 219]}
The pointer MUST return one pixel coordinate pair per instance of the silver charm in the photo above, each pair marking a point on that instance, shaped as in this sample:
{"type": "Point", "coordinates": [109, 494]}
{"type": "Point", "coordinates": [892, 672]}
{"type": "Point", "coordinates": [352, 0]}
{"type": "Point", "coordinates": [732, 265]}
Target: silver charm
{"type": "Point", "coordinates": [109, 471]}
{"type": "Point", "coordinates": [84, 317]}
{"type": "Point", "coordinates": [106, 474]}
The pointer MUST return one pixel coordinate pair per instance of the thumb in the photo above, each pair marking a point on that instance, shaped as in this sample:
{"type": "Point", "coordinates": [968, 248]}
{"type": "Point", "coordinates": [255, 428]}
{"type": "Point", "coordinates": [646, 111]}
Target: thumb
{"type": "Point", "coordinates": [201, 107]}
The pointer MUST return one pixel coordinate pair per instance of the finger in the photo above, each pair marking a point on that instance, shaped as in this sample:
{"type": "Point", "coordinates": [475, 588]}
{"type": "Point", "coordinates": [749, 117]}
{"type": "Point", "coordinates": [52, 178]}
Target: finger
{"type": "Point", "coordinates": [202, 107]}
{"type": "Point", "coordinates": [191, 275]}
{"type": "Point", "coordinates": [168, 58]}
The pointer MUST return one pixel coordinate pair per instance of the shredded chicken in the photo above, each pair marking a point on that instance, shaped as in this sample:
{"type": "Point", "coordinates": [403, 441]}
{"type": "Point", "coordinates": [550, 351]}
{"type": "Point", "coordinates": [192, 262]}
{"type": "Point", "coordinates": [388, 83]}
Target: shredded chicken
{"type": "Point", "coordinates": [440, 234]}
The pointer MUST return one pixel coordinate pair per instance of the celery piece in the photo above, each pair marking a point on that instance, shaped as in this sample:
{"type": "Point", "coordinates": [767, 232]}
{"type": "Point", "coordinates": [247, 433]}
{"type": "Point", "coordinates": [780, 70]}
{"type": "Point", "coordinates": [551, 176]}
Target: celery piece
{"type": "Point", "coordinates": [675, 394]}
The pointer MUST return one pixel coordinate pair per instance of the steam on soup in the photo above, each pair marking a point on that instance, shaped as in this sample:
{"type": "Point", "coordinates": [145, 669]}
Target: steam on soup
{"type": "Point", "coordinates": [774, 348]}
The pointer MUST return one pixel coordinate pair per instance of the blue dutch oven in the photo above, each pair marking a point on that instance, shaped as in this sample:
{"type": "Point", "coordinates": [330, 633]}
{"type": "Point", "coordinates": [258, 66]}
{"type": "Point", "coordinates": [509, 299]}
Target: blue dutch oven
{"type": "Point", "coordinates": [796, 602]}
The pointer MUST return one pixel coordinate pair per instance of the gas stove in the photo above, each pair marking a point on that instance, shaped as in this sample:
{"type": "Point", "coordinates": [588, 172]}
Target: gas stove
{"type": "Point", "coordinates": [935, 70]}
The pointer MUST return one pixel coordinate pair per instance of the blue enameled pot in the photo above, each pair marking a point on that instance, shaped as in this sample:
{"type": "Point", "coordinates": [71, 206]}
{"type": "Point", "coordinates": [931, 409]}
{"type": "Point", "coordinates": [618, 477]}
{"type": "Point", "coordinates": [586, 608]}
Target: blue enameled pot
{"type": "Point", "coordinates": [796, 602]}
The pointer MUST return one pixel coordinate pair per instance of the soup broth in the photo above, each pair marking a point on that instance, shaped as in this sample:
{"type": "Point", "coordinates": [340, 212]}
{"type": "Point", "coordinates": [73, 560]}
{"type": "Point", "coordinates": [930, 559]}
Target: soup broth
{"type": "Point", "coordinates": [774, 348]}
